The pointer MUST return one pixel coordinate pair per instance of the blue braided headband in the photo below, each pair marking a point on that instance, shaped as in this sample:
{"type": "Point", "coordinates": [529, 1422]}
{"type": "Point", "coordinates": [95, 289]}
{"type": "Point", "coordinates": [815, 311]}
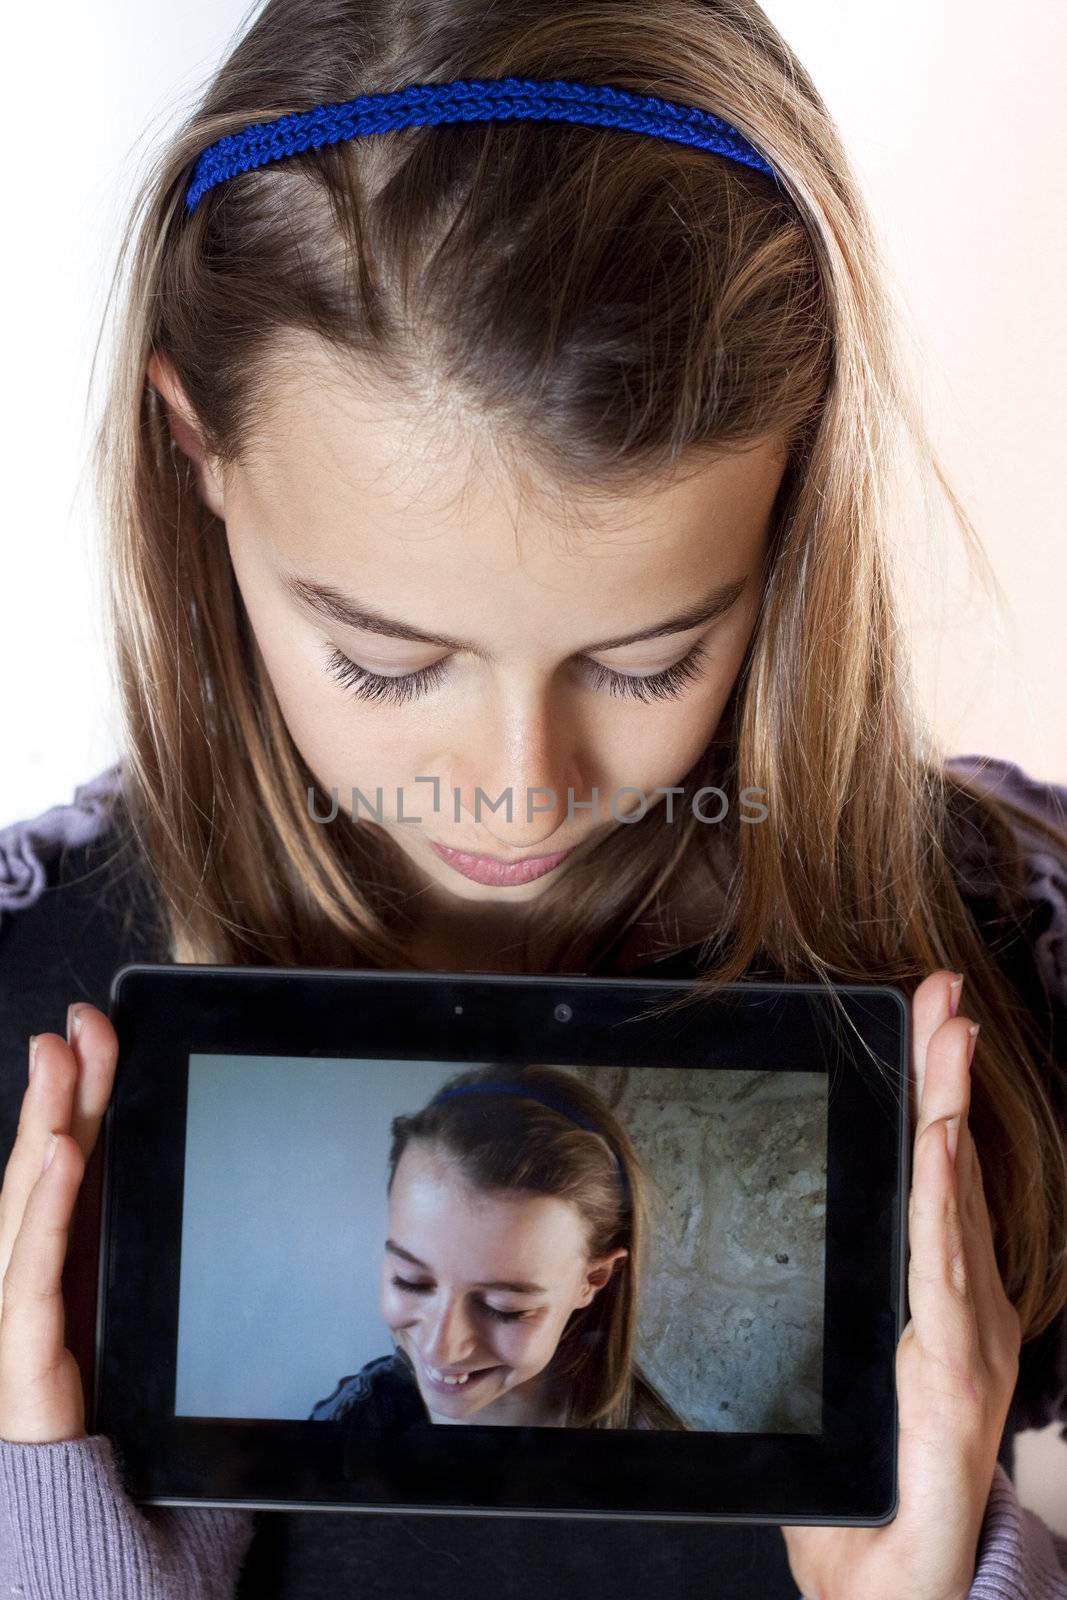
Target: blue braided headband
{"type": "Point", "coordinates": [468, 100]}
{"type": "Point", "coordinates": [501, 1086]}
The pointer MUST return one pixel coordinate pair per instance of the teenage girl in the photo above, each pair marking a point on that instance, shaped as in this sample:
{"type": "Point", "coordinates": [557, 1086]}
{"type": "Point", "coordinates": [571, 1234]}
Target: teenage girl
{"type": "Point", "coordinates": [549, 454]}
{"type": "Point", "coordinates": [540, 1185]}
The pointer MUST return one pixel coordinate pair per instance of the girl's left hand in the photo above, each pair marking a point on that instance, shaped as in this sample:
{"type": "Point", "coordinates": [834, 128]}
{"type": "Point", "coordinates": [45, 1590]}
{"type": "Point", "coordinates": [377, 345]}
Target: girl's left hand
{"type": "Point", "coordinates": [957, 1361]}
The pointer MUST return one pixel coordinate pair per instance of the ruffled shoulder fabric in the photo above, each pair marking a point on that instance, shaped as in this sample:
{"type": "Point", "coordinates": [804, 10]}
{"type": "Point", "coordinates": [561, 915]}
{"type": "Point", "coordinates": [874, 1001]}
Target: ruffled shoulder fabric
{"type": "Point", "coordinates": [28, 848]}
{"type": "Point", "coordinates": [1046, 878]}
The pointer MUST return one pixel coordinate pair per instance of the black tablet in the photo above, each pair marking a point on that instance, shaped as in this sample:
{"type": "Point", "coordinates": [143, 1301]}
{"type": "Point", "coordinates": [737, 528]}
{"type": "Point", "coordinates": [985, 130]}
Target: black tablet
{"type": "Point", "coordinates": [514, 1245]}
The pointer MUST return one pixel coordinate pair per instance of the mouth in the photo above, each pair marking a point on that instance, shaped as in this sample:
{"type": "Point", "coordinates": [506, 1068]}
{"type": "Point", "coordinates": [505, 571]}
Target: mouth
{"type": "Point", "coordinates": [454, 1382]}
{"type": "Point", "coordinates": [495, 871]}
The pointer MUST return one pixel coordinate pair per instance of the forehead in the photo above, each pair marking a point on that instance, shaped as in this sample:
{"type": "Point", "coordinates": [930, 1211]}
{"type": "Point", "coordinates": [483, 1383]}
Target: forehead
{"type": "Point", "coordinates": [436, 1215]}
{"type": "Point", "coordinates": [380, 491]}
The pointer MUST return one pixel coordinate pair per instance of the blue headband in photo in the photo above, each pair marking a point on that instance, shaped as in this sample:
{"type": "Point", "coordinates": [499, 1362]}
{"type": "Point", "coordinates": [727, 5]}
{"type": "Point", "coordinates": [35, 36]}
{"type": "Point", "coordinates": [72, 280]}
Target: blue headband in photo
{"type": "Point", "coordinates": [468, 100]}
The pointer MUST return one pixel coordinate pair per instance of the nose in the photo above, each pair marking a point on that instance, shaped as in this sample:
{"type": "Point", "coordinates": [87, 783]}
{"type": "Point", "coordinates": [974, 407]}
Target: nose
{"type": "Point", "coordinates": [525, 761]}
{"type": "Point", "coordinates": [447, 1336]}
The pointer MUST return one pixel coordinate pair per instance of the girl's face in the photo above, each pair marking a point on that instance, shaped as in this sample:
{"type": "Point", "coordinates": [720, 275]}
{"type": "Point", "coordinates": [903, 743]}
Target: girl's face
{"type": "Point", "coordinates": [478, 1287]}
{"type": "Point", "coordinates": [433, 624]}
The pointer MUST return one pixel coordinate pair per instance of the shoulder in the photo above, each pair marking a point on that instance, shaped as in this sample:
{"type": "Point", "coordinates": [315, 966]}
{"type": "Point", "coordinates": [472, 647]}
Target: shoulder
{"type": "Point", "coordinates": [75, 905]}
{"type": "Point", "coordinates": [383, 1393]}
{"type": "Point", "coordinates": [30, 849]}
{"type": "Point", "coordinates": [1034, 811]}
{"type": "Point", "coordinates": [72, 878]}
{"type": "Point", "coordinates": [81, 850]}
{"type": "Point", "coordinates": [1006, 840]}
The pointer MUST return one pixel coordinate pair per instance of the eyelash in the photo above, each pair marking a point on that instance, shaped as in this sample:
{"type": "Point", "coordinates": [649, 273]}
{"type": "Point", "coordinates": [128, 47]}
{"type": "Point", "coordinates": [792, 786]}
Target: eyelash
{"type": "Point", "coordinates": [501, 1316]}
{"type": "Point", "coordinates": [365, 685]}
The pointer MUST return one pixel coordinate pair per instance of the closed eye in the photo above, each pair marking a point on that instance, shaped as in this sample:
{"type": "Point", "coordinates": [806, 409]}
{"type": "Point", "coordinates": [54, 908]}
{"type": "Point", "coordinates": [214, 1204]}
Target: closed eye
{"type": "Point", "coordinates": [500, 1316]}
{"type": "Point", "coordinates": [381, 689]}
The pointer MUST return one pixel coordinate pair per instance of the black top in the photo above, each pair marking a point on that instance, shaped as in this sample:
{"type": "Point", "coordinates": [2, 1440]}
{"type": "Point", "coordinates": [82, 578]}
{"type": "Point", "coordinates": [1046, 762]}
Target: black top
{"type": "Point", "coordinates": [93, 916]}
{"type": "Point", "coordinates": [384, 1393]}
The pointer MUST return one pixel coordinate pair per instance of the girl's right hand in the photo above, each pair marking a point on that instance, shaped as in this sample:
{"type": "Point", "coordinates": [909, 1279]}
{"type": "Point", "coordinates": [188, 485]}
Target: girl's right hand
{"type": "Point", "coordinates": [41, 1399]}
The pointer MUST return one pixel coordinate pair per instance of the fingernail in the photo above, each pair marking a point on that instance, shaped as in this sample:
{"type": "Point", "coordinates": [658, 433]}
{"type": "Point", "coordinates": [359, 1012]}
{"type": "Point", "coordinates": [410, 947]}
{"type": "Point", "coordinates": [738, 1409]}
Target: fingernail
{"type": "Point", "coordinates": [74, 1021]}
{"type": "Point", "coordinates": [33, 1053]}
{"type": "Point", "coordinates": [50, 1150]}
{"type": "Point", "coordinates": [973, 1031]}
{"type": "Point", "coordinates": [952, 1133]}
{"type": "Point", "coordinates": [955, 989]}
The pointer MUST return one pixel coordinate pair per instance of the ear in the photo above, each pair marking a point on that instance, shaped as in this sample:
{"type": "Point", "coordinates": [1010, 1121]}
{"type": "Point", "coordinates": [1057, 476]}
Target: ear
{"type": "Point", "coordinates": [599, 1272]}
{"type": "Point", "coordinates": [185, 430]}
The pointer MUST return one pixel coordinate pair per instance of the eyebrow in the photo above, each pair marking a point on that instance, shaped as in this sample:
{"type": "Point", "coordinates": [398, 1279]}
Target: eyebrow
{"type": "Point", "coordinates": [514, 1288]}
{"type": "Point", "coordinates": [353, 613]}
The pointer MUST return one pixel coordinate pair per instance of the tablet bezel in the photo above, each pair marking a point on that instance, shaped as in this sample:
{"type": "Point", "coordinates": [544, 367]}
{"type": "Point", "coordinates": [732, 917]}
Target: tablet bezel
{"type": "Point", "coordinates": [846, 1474]}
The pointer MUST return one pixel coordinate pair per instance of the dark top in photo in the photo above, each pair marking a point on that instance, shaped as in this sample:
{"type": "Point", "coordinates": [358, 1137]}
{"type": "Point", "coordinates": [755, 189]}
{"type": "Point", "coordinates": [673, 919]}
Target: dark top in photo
{"type": "Point", "coordinates": [382, 1394]}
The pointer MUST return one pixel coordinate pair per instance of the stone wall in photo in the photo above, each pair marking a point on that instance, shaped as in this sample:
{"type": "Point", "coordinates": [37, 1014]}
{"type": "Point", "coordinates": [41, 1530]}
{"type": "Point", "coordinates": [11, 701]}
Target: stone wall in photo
{"type": "Point", "coordinates": [731, 1326]}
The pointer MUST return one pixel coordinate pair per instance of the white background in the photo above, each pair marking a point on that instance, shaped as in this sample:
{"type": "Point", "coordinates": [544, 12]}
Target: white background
{"type": "Point", "coordinates": [953, 114]}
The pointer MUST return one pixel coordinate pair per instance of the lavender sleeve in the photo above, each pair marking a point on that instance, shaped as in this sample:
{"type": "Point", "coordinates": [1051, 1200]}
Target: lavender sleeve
{"type": "Point", "coordinates": [70, 1532]}
{"type": "Point", "coordinates": [1019, 1558]}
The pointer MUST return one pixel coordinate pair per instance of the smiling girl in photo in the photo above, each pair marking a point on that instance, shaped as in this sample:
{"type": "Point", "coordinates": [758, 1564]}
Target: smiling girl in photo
{"type": "Point", "coordinates": [535, 430]}
{"type": "Point", "coordinates": [539, 1188]}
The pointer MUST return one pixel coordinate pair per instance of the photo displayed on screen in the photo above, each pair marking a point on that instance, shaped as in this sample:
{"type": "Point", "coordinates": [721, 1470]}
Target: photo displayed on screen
{"type": "Point", "coordinates": [412, 1242]}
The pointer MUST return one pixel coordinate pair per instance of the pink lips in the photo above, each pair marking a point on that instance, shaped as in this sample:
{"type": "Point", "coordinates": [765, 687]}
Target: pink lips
{"type": "Point", "coordinates": [483, 869]}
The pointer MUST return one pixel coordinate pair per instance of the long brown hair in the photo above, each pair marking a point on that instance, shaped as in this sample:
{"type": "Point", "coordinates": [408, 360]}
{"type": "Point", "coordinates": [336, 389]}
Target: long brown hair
{"type": "Point", "coordinates": [521, 1144]}
{"type": "Point", "coordinates": [612, 308]}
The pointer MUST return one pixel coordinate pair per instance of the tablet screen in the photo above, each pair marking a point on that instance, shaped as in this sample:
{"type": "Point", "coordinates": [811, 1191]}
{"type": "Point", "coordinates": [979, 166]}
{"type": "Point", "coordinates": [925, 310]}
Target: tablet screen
{"type": "Point", "coordinates": [335, 1294]}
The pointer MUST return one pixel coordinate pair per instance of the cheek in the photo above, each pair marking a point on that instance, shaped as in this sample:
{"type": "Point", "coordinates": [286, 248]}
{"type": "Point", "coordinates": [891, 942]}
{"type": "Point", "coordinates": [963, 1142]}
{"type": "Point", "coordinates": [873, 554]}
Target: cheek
{"type": "Point", "coordinates": [523, 1347]}
{"type": "Point", "coordinates": [346, 742]}
{"type": "Point", "coordinates": [397, 1310]}
{"type": "Point", "coordinates": [660, 747]}
{"type": "Point", "coordinates": [349, 744]}
{"type": "Point", "coordinates": [663, 739]}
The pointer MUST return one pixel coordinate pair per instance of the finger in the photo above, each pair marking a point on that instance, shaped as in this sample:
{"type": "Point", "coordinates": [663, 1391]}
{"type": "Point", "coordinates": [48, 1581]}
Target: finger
{"type": "Point", "coordinates": [995, 1316]}
{"type": "Point", "coordinates": [980, 1260]}
{"type": "Point", "coordinates": [941, 1308]}
{"type": "Point", "coordinates": [930, 1007]}
{"type": "Point", "coordinates": [47, 1107]}
{"type": "Point", "coordinates": [96, 1050]}
{"type": "Point", "coordinates": [973, 1205]}
{"type": "Point", "coordinates": [68, 1091]}
{"type": "Point", "coordinates": [946, 1090]}
{"type": "Point", "coordinates": [936, 1196]}
{"type": "Point", "coordinates": [32, 1323]}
